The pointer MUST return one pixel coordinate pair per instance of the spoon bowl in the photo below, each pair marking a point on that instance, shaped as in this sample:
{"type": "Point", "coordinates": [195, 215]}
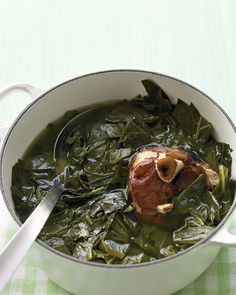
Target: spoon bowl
{"type": "Point", "coordinates": [79, 122]}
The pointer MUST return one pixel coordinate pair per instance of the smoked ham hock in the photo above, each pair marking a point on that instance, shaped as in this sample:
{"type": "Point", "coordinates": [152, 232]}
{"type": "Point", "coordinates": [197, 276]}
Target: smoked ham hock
{"type": "Point", "coordinates": [159, 173]}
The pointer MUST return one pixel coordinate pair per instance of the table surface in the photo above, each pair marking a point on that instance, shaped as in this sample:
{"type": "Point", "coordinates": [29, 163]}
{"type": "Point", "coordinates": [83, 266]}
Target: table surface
{"type": "Point", "coordinates": [46, 42]}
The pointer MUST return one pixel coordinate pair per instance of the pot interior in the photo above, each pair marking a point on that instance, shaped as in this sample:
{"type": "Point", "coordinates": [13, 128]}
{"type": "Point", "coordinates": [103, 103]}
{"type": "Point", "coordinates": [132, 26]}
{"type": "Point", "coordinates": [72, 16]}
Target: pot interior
{"type": "Point", "coordinates": [100, 87]}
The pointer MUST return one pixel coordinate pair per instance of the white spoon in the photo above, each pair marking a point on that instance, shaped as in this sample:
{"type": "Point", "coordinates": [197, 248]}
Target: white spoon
{"type": "Point", "coordinates": [20, 243]}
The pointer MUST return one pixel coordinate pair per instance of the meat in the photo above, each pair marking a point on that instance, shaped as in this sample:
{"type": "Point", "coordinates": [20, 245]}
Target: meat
{"type": "Point", "coordinates": [159, 173]}
{"type": "Point", "coordinates": [185, 179]}
{"type": "Point", "coordinates": [147, 189]}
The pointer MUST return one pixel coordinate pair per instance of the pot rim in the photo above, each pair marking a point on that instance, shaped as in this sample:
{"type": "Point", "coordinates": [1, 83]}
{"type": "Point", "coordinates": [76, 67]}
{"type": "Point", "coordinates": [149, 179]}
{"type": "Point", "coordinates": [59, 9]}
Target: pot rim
{"type": "Point", "coordinates": [96, 264]}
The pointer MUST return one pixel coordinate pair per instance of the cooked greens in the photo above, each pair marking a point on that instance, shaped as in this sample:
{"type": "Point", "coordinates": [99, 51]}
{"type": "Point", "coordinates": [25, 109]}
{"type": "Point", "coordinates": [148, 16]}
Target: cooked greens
{"type": "Point", "coordinates": [94, 219]}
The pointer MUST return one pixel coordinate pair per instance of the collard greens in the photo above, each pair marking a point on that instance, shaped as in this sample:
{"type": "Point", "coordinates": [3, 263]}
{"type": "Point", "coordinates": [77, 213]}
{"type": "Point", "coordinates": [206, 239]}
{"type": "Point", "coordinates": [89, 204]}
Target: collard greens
{"type": "Point", "coordinates": [94, 219]}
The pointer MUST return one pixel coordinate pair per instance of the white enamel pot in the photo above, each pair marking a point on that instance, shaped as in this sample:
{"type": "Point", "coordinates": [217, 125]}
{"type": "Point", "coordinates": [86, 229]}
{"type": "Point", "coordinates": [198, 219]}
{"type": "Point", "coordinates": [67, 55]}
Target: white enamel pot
{"type": "Point", "coordinates": [163, 276]}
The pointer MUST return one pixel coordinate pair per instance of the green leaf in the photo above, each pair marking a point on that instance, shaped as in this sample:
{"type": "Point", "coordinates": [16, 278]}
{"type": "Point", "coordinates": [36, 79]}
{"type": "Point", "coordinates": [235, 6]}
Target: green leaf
{"type": "Point", "coordinates": [223, 180]}
{"type": "Point", "coordinates": [191, 197]}
{"type": "Point", "coordinates": [191, 121]}
{"type": "Point", "coordinates": [156, 100]}
{"type": "Point", "coordinates": [121, 228]}
{"type": "Point", "coordinates": [39, 163]}
{"type": "Point", "coordinates": [113, 248]}
{"type": "Point", "coordinates": [213, 209]}
{"type": "Point", "coordinates": [101, 174]}
{"type": "Point", "coordinates": [70, 196]}
{"type": "Point", "coordinates": [113, 201]}
{"type": "Point", "coordinates": [134, 255]}
{"type": "Point", "coordinates": [217, 153]}
{"type": "Point", "coordinates": [192, 232]}
{"type": "Point", "coordinates": [227, 198]}
{"type": "Point", "coordinates": [135, 134]}
{"type": "Point", "coordinates": [96, 133]}
{"type": "Point", "coordinates": [77, 231]}
{"type": "Point", "coordinates": [196, 200]}
{"type": "Point", "coordinates": [57, 224]}
{"type": "Point", "coordinates": [104, 204]}
{"type": "Point", "coordinates": [170, 250]}
{"type": "Point", "coordinates": [113, 130]}
{"type": "Point", "coordinates": [99, 142]}
{"type": "Point", "coordinates": [152, 239]}
{"type": "Point", "coordinates": [119, 154]}
{"type": "Point", "coordinates": [128, 110]}
{"type": "Point", "coordinates": [84, 251]}
{"type": "Point", "coordinates": [75, 135]}
{"type": "Point", "coordinates": [58, 244]}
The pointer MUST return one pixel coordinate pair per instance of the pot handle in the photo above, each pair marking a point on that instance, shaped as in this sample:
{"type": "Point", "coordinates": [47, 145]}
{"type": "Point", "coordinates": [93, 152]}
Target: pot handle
{"type": "Point", "coordinates": [31, 90]}
{"type": "Point", "coordinates": [223, 238]}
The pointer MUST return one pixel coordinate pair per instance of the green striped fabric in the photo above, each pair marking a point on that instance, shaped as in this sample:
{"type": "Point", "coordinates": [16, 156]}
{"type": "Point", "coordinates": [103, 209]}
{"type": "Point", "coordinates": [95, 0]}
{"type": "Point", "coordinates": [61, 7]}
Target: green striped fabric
{"type": "Point", "coordinates": [218, 279]}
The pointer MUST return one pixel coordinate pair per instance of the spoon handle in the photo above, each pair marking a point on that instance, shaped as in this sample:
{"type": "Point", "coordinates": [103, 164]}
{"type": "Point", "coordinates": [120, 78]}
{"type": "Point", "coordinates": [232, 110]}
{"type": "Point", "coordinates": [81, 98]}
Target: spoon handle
{"type": "Point", "coordinates": [20, 243]}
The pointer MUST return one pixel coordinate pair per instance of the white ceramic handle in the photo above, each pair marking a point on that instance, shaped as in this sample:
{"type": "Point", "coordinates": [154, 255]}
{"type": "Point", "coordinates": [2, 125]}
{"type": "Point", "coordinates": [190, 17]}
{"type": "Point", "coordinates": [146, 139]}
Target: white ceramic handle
{"type": "Point", "coordinates": [223, 238]}
{"type": "Point", "coordinates": [31, 90]}
{"type": "Point", "coordinates": [20, 243]}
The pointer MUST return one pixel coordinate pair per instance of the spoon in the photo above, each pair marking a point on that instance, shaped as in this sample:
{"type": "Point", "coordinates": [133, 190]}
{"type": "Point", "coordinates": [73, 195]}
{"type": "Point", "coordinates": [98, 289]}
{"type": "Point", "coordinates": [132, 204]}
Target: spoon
{"type": "Point", "coordinates": [20, 243]}
{"type": "Point", "coordinates": [60, 148]}
{"type": "Point", "coordinates": [17, 247]}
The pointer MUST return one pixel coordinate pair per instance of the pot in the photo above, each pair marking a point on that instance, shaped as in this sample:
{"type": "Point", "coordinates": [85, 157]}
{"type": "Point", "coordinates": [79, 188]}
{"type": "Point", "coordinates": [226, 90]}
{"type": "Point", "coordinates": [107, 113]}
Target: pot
{"type": "Point", "coordinates": [163, 276]}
